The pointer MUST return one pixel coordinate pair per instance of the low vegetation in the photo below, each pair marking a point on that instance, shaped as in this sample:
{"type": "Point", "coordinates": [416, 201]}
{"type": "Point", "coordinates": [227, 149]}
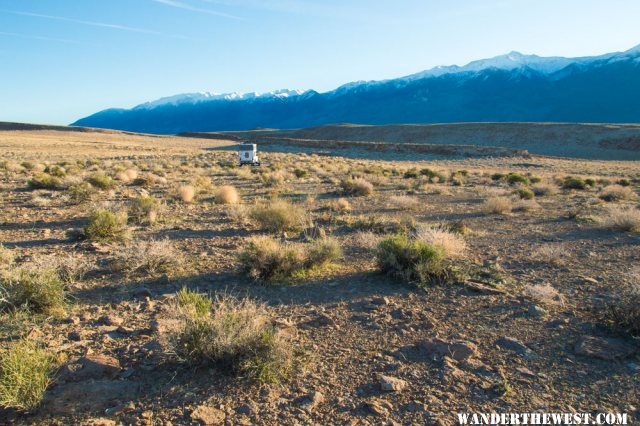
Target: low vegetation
{"type": "Point", "coordinates": [278, 216]}
{"type": "Point", "coordinates": [37, 290]}
{"type": "Point", "coordinates": [105, 225]}
{"type": "Point", "coordinates": [230, 333]}
{"type": "Point", "coordinates": [149, 258]}
{"type": "Point", "coordinates": [25, 374]}
{"type": "Point", "coordinates": [498, 205]}
{"type": "Point", "coordinates": [227, 195]}
{"type": "Point", "coordinates": [625, 219]}
{"type": "Point", "coordinates": [356, 187]}
{"type": "Point", "coordinates": [411, 260]}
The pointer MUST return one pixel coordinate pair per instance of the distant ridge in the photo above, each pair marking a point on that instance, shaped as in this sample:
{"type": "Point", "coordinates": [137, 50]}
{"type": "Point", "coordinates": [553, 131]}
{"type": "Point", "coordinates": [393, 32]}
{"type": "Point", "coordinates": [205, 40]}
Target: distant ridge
{"type": "Point", "coordinates": [507, 88]}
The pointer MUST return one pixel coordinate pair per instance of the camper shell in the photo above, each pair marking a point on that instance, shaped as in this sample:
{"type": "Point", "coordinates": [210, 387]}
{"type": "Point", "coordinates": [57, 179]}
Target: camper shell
{"type": "Point", "coordinates": [248, 154]}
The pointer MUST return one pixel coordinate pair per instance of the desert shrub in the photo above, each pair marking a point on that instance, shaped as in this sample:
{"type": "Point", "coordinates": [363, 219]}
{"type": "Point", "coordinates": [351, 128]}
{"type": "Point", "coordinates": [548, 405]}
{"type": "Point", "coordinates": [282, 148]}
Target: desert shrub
{"type": "Point", "coordinates": [590, 182]}
{"type": "Point", "coordinates": [341, 205]}
{"type": "Point", "coordinates": [411, 174]}
{"type": "Point", "coordinates": [7, 257]}
{"type": "Point", "coordinates": [146, 180]}
{"type": "Point", "coordinates": [356, 187]}
{"type": "Point", "coordinates": [202, 183]}
{"type": "Point", "coordinates": [144, 210]}
{"type": "Point", "coordinates": [322, 251]}
{"type": "Point", "coordinates": [231, 333]}
{"type": "Point", "coordinates": [524, 205]}
{"type": "Point", "coordinates": [624, 182]}
{"type": "Point", "coordinates": [624, 219]}
{"type": "Point", "coordinates": [525, 193]}
{"type": "Point", "coordinates": [404, 202]}
{"type": "Point", "coordinates": [366, 240]}
{"type": "Point", "coordinates": [498, 205]}
{"type": "Point", "coordinates": [227, 195]}
{"type": "Point", "coordinates": [101, 181]}
{"type": "Point", "coordinates": [56, 170]}
{"type": "Point", "coordinates": [535, 179]}
{"type": "Point", "coordinates": [555, 254]}
{"type": "Point", "coordinates": [25, 374]}
{"type": "Point", "coordinates": [278, 216]}
{"type": "Point", "coordinates": [186, 193]}
{"type": "Point", "coordinates": [269, 260]}
{"type": "Point", "coordinates": [434, 176]}
{"type": "Point", "coordinates": [616, 193]}
{"type": "Point", "coordinates": [148, 258]}
{"type": "Point", "coordinates": [105, 225]}
{"type": "Point", "coordinates": [410, 260]}
{"type": "Point", "coordinates": [572, 182]}
{"type": "Point", "coordinates": [623, 308]}
{"type": "Point", "coordinates": [275, 178]}
{"type": "Point", "coordinates": [28, 165]}
{"type": "Point", "coordinates": [44, 182]}
{"type": "Point", "coordinates": [498, 176]}
{"type": "Point", "coordinates": [127, 176]}
{"type": "Point", "coordinates": [453, 245]}
{"type": "Point", "coordinates": [38, 290]}
{"type": "Point", "coordinates": [266, 259]}
{"type": "Point", "coordinates": [70, 268]}
{"type": "Point", "coordinates": [81, 191]}
{"type": "Point", "coordinates": [515, 178]}
{"type": "Point", "coordinates": [544, 189]}
{"type": "Point", "coordinates": [300, 173]}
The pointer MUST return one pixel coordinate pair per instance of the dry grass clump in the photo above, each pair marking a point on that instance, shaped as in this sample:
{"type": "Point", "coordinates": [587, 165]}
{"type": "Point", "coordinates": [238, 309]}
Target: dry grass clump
{"type": "Point", "coordinates": [105, 225]}
{"type": "Point", "coordinates": [411, 260]}
{"type": "Point", "coordinates": [37, 290]}
{"type": "Point", "coordinates": [148, 258]}
{"type": "Point", "coordinates": [545, 293]}
{"type": "Point", "coordinates": [80, 192]}
{"type": "Point", "coordinates": [525, 205]}
{"type": "Point", "coordinates": [101, 181]}
{"type": "Point", "coordinates": [227, 195]}
{"type": "Point", "coordinates": [186, 193]}
{"type": "Point", "coordinates": [70, 268]}
{"type": "Point", "coordinates": [43, 181]}
{"type": "Point", "coordinates": [498, 205]}
{"type": "Point", "coordinates": [269, 260]}
{"type": "Point", "coordinates": [544, 189]}
{"type": "Point", "coordinates": [233, 334]}
{"type": "Point", "coordinates": [25, 374]}
{"type": "Point", "coordinates": [356, 187]}
{"type": "Point", "coordinates": [555, 254]}
{"type": "Point", "coordinates": [278, 216]}
{"type": "Point", "coordinates": [144, 210]}
{"type": "Point", "coordinates": [404, 202]}
{"type": "Point", "coordinates": [623, 309]}
{"type": "Point", "coordinates": [625, 219]}
{"type": "Point", "coordinates": [127, 176]}
{"type": "Point", "coordinates": [452, 244]}
{"type": "Point", "coordinates": [341, 205]}
{"type": "Point", "coordinates": [617, 193]}
{"type": "Point", "coordinates": [7, 257]}
{"type": "Point", "coordinates": [366, 240]}
{"type": "Point", "coordinates": [276, 178]}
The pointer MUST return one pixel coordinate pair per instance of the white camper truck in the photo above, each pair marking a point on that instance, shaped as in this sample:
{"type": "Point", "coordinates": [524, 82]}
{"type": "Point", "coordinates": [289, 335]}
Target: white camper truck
{"type": "Point", "coordinates": [248, 154]}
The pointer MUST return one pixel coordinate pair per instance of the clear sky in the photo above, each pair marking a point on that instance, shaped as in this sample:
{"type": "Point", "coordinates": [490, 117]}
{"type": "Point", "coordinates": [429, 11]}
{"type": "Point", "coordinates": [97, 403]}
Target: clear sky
{"type": "Point", "coordinates": [64, 59]}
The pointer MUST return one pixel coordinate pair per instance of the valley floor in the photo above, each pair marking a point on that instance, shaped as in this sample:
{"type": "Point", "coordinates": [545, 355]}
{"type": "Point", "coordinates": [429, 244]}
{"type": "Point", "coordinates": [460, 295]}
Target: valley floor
{"type": "Point", "coordinates": [529, 331]}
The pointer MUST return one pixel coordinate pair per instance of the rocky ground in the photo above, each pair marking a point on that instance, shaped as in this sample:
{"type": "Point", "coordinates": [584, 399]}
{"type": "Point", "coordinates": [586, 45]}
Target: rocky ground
{"type": "Point", "coordinates": [376, 350]}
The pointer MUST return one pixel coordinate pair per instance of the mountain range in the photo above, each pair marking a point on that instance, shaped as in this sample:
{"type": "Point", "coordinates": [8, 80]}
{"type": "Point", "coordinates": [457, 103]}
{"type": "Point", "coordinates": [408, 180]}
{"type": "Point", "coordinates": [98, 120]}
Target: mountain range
{"type": "Point", "coordinates": [507, 88]}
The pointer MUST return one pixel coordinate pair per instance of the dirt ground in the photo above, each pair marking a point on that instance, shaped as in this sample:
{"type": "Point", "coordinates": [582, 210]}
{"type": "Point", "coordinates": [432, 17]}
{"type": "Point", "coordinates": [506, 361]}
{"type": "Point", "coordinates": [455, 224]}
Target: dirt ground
{"type": "Point", "coordinates": [456, 348]}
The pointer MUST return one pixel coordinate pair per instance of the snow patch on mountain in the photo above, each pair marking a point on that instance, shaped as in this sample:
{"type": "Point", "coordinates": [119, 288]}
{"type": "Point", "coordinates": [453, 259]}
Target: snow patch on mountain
{"type": "Point", "coordinates": [194, 98]}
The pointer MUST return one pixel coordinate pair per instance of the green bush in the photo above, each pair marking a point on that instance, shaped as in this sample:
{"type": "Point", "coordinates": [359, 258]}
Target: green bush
{"type": "Point", "coordinates": [411, 174]}
{"type": "Point", "coordinates": [57, 171]}
{"type": "Point", "coordinates": [144, 210]}
{"type": "Point", "coordinates": [38, 290]}
{"type": "Point", "coordinates": [101, 181]}
{"type": "Point", "coordinates": [624, 182]}
{"type": "Point", "coordinates": [525, 194]}
{"type": "Point", "coordinates": [571, 182]}
{"type": "Point", "coordinates": [300, 173]}
{"type": "Point", "coordinates": [81, 191]}
{"type": "Point", "coordinates": [498, 176]}
{"type": "Point", "coordinates": [515, 178]}
{"type": "Point", "coordinates": [43, 181]}
{"type": "Point", "coordinates": [433, 175]}
{"type": "Point", "coordinates": [105, 225]}
{"type": "Point", "coordinates": [535, 179]}
{"type": "Point", "coordinates": [25, 374]}
{"type": "Point", "coordinates": [410, 260]}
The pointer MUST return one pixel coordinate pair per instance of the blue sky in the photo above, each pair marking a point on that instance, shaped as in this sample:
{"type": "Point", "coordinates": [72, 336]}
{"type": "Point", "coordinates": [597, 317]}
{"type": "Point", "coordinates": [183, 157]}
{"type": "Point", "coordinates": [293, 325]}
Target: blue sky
{"type": "Point", "coordinates": [64, 59]}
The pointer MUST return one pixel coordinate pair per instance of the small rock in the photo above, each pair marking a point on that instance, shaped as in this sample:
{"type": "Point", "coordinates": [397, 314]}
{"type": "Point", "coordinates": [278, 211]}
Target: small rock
{"type": "Point", "coordinates": [604, 348]}
{"type": "Point", "coordinates": [536, 311]}
{"type": "Point", "coordinates": [379, 407]}
{"type": "Point", "coordinates": [391, 384]}
{"type": "Point", "coordinates": [416, 407]}
{"type": "Point", "coordinates": [247, 408]}
{"type": "Point", "coordinates": [516, 346]}
{"type": "Point", "coordinates": [312, 400]}
{"type": "Point", "coordinates": [458, 350]}
{"type": "Point", "coordinates": [111, 320]}
{"type": "Point", "coordinates": [208, 415]}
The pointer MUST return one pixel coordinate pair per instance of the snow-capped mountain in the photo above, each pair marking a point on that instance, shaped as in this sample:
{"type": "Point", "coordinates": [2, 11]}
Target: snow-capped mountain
{"type": "Point", "coordinates": [511, 87]}
{"type": "Point", "coordinates": [194, 98]}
